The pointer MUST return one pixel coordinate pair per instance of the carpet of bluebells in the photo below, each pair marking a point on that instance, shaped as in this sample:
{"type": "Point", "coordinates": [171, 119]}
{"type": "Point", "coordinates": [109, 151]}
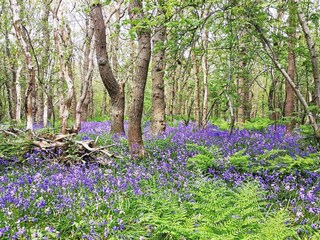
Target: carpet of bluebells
{"type": "Point", "coordinates": [32, 194]}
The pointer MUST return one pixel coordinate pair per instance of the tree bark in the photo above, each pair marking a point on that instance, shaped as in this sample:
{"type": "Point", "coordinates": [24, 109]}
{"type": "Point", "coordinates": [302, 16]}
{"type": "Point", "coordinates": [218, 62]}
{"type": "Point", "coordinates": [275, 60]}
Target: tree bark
{"type": "Point", "coordinates": [313, 53]}
{"type": "Point", "coordinates": [158, 98]}
{"type": "Point", "coordinates": [289, 102]}
{"type": "Point", "coordinates": [116, 92]}
{"type": "Point", "coordinates": [18, 96]}
{"type": "Point", "coordinates": [87, 74]}
{"type": "Point", "coordinates": [11, 90]}
{"type": "Point", "coordinates": [64, 70]}
{"type": "Point", "coordinates": [244, 86]}
{"type": "Point", "coordinates": [44, 75]}
{"type": "Point", "coordinates": [138, 85]}
{"type": "Point", "coordinates": [31, 72]}
{"type": "Point", "coordinates": [104, 102]}
{"type": "Point", "coordinates": [270, 53]}
{"type": "Point", "coordinates": [196, 89]}
{"type": "Point", "coordinates": [204, 60]}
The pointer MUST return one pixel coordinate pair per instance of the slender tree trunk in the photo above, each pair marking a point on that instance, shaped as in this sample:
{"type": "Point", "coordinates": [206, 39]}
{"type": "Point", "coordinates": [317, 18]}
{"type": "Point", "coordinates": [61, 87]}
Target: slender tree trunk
{"type": "Point", "coordinates": [48, 97]}
{"type": "Point", "coordinates": [87, 75]}
{"type": "Point", "coordinates": [116, 45]}
{"type": "Point", "coordinates": [241, 88]}
{"type": "Point", "coordinates": [229, 100]}
{"type": "Point", "coordinates": [104, 102]}
{"type": "Point", "coordinates": [243, 83]}
{"type": "Point", "coordinates": [8, 90]}
{"type": "Point", "coordinates": [18, 95]}
{"type": "Point", "coordinates": [74, 101]}
{"type": "Point", "coordinates": [172, 97]}
{"type": "Point", "coordinates": [31, 78]}
{"type": "Point", "coordinates": [204, 60]}
{"type": "Point", "coordinates": [115, 91]}
{"type": "Point", "coordinates": [85, 113]}
{"type": "Point", "coordinates": [313, 53]}
{"type": "Point", "coordinates": [158, 97]}
{"type": "Point", "coordinates": [43, 72]}
{"type": "Point", "coordinates": [270, 53]}
{"type": "Point", "coordinates": [289, 102]}
{"type": "Point", "coordinates": [11, 94]}
{"type": "Point", "coordinates": [64, 69]}
{"type": "Point", "coordinates": [196, 89]}
{"type": "Point", "coordinates": [139, 83]}
{"type": "Point", "coordinates": [14, 91]}
{"type": "Point", "coordinates": [45, 110]}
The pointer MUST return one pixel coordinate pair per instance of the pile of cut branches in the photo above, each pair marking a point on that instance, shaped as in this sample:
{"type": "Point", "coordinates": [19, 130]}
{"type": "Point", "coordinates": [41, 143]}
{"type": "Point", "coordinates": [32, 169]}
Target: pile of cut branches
{"type": "Point", "coordinates": [65, 149]}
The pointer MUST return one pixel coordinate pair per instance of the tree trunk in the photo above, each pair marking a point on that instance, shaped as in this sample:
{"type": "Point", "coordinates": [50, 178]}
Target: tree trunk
{"type": "Point", "coordinates": [196, 90]}
{"type": "Point", "coordinates": [244, 107]}
{"type": "Point", "coordinates": [11, 90]}
{"type": "Point", "coordinates": [313, 54]}
{"type": "Point", "coordinates": [43, 72]}
{"type": "Point", "coordinates": [87, 74]}
{"type": "Point", "coordinates": [8, 90]}
{"type": "Point", "coordinates": [139, 82]}
{"type": "Point", "coordinates": [289, 102]}
{"type": "Point", "coordinates": [172, 97]}
{"type": "Point", "coordinates": [31, 78]}
{"type": "Point", "coordinates": [64, 70]}
{"type": "Point", "coordinates": [270, 53]}
{"type": "Point", "coordinates": [45, 110]}
{"type": "Point", "coordinates": [18, 95]}
{"type": "Point", "coordinates": [204, 60]}
{"type": "Point", "coordinates": [116, 92]}
{"type": "Point", "coordinates": [104, 102]}
{"type": "Point", "coordinates": [158, 69]}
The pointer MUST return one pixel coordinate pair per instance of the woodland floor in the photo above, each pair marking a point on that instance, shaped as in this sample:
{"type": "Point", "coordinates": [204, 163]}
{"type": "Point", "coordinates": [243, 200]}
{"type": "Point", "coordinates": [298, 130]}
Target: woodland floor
{"type": "Point", "coordinates": [193, 184]}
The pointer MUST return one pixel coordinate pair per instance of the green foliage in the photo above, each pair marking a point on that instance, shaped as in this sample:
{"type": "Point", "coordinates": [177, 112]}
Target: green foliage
{"type": "Point", "coordinates": [205, 210]}
{"type": "Point", "coordinates": [274, 160]}
{"type": "Point", "coordinates": [200, 161]}
{"type": "Point", "coordinates": [257, 124]}
{"type": "Point", "coordinates": [236, 214]}
{"type": "Point", "coordinates": [100, 118]}
{"type": "Point", "coordinates": [207, 157]}
{"type": "Point", "coordinates": [278, 219]}
{"type": "Point", "coordinates": [214, 212]}
{"type": "Point", "coordinates": [240, 161]}
{"type": "Point", "coordinates": [223, 125]}
{"type": "Point", "coordinates": [14, 146]}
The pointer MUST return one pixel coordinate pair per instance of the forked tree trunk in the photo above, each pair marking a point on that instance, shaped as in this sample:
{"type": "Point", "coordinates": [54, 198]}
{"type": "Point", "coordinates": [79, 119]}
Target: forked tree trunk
{"type": "Point", "coordinates": [116, 92]}
{"type": "Point", "coordinates": [289, 102]}
{"type": "Point", "coordinates": [138, 85]}
{"type": "Point", "coordinates": [31, 72]}
{"type": "Point", "coordinates": [158, 69]}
